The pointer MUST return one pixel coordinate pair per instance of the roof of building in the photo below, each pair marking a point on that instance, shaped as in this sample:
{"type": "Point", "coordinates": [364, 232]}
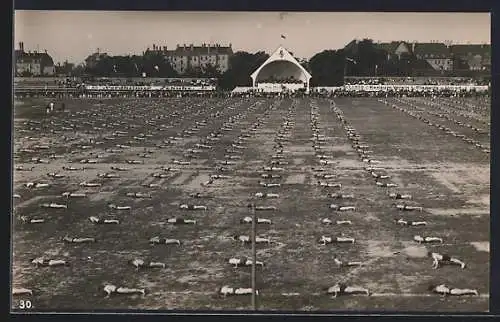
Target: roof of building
{"type": "Point", "coordinates": [44, 58]}
{"type": "Point", "coordinates": [200, 50]}
{"type": "Point", "coordinates": [432, 50]}
{"type": "Point", "coordinates": [474, 49]}
{"type": "Point", "coordinates": [352, 47]}
{"type": "Point", "coordinates": [390, 47]}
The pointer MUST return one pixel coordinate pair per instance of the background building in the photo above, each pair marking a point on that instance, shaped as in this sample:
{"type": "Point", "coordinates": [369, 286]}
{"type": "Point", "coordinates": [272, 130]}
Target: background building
{"type": "Point", "coordinates": [92, 60]}
{"type": "Point", "coordinates": [33, 63]}
{"type": "Point", "coordinates": [405, 58]}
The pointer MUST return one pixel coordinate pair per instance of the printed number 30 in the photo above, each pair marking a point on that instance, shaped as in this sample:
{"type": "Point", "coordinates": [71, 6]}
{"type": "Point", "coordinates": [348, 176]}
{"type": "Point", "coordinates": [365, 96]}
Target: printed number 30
{"type": "Point", "coordinates": [23, 305]}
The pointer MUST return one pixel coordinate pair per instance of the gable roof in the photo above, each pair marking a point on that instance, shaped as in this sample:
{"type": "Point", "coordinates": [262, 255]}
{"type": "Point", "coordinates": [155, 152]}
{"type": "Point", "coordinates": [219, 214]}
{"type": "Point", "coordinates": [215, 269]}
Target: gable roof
{"type": "Point", "coordinates": [281, 54]}
{"type": "Point", "coordinates": [432, 50]}
{"type": "Point", "coordinates": [390, 47]}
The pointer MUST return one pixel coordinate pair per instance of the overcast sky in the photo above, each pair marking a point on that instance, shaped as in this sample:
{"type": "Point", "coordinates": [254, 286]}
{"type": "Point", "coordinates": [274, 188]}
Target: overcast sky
{"type": "Point", "coordinates": [73, 35]}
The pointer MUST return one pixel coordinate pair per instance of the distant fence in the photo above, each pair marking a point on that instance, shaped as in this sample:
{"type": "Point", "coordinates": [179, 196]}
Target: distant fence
{"type": "Point", "coordinates": [103, 88]}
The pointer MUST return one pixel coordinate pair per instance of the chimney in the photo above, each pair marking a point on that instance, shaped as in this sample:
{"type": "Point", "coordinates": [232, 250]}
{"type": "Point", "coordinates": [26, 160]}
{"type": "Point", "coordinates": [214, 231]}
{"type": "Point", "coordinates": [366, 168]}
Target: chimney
{"type": "Point", "coordinates": [21, 46]}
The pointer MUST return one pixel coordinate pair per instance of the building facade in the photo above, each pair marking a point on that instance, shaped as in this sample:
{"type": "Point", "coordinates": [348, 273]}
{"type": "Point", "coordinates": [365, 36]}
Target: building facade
{"type": "Point", "coordinates": [185, 58]}
{"type": "Point", "coordinates": [477, 57]}
{"type": "Point", "coordinates": [33, 63]}
{"type": "Point", "coordinates": [437, 55]}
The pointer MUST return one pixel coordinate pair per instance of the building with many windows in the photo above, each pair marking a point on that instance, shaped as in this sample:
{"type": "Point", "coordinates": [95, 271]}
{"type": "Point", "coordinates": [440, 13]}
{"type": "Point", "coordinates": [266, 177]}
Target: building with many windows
{"type": "Point", "coordinates": [184, 58]}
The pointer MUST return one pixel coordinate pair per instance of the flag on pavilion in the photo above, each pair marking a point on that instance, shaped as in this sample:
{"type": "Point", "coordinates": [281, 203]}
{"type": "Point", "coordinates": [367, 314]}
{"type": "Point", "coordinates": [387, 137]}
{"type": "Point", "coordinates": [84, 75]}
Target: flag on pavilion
{"type": "Point", "coordinates": [283, 36]}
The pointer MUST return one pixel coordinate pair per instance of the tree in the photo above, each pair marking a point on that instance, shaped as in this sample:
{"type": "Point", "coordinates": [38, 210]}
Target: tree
{"type": "Point", "coordinates": [460, 63]}
{"type": "Point", "coordinates": [156, 65]}
{"type": "Point", "coordinates": [407, 63]}
{"type": "Point", "coordinates": [390, 67]}
{"type": "Point", "coordinates": [152, 63]}
{"type": "Point", "coordinates": [327, 68]}
{"type": "Point", "coordinates": [368, 58]}
{"type": "Point", "coordinates": [78, 70]}
{"type": "Point", "coordinates": [103, 67]}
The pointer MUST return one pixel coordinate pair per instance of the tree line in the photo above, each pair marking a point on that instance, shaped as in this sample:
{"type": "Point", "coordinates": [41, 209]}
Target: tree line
{"type": "Point", "coordinates": [327, 68]}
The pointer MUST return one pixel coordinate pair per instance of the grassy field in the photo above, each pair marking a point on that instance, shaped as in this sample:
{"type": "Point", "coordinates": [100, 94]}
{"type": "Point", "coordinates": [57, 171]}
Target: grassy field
{"type": "Point", "coordinates": [448, 177]}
